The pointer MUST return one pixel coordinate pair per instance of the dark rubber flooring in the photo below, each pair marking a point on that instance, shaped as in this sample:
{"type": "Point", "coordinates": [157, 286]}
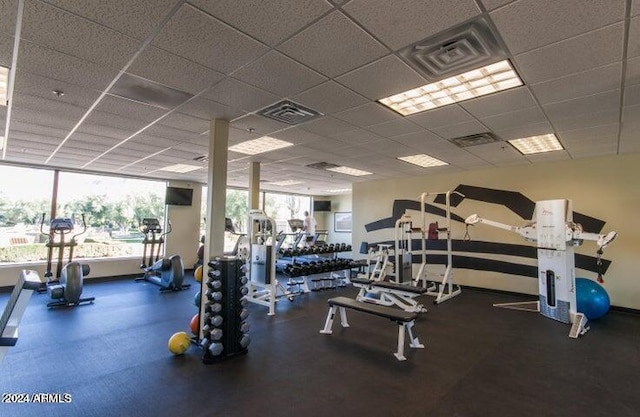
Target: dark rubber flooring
{"type": "Point", "coordinates": [112, 358]}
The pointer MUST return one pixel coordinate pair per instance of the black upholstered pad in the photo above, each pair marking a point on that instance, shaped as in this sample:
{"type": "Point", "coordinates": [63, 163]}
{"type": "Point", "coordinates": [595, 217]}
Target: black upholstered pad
{"type": "Point", "coordinates": [364, 281]}
{"type": "Point", "coordinates": [399, 287]}
{"type": "Point", "coordinates": [391, 313]}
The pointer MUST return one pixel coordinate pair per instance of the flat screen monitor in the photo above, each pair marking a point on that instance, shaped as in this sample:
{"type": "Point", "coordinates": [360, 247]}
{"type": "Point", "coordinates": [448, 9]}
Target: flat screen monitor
{"type": "Point", "coordinates": [179, 196]}
{"type": "Point", "coordinates": [321, 205]}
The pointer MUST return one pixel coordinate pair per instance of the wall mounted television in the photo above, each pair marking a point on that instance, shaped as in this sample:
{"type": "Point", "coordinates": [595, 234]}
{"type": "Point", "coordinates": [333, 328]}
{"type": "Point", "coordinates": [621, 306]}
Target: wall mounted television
{"type": "Point", "coordinates": [178, 196]}
{"type": "Point", "coordinates": [321, 205]}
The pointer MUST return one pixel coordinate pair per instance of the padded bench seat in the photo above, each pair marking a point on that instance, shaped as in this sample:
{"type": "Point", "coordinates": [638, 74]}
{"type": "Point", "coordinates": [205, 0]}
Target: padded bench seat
{"type": "Point", "coordinates": [404, 319]}
{"type": "Point", "coordinates": [399, 287]}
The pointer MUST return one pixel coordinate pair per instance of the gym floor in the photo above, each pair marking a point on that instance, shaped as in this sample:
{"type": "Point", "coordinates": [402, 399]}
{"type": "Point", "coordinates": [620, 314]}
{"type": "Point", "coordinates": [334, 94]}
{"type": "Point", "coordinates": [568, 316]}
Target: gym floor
{"type": "Point", "coordinates": [112, 358]}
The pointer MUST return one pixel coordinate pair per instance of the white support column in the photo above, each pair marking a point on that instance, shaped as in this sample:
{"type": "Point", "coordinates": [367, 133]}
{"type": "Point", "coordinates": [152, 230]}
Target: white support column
{"type": "Point", "coordinates": [216, 201]}
{"type": "Point", "coordinates": [217, 187]}
{"type": "Point", "coordinates": [254, 185]}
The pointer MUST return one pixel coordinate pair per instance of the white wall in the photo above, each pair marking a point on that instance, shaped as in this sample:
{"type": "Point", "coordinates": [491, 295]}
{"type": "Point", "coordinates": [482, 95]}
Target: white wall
{"type": "Point", "coordinates": [605, 188]}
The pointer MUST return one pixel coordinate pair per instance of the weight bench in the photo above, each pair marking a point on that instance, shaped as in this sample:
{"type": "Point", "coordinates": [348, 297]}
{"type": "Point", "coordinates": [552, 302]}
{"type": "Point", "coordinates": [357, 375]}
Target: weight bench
{"type": "Point", "coordinates": [404, 319]}
{"type": "Point", "coordinates": [389, 294]}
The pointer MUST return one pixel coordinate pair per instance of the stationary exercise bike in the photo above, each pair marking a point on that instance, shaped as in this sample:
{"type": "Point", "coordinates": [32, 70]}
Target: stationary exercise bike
{"type": "Point", "coordinates": [66, 288]}
{"type": "Point", "coordinates": [167, 273]}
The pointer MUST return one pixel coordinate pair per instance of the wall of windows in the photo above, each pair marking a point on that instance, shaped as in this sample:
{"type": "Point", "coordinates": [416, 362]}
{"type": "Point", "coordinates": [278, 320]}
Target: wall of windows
{"type": "Point", "coordinates": [112, 207]}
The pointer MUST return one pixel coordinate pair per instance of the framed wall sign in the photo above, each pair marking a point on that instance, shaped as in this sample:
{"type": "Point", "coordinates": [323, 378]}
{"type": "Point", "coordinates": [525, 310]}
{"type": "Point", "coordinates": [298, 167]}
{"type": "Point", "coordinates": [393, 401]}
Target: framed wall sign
{"type": "Point", "coordinates": [342, 222]}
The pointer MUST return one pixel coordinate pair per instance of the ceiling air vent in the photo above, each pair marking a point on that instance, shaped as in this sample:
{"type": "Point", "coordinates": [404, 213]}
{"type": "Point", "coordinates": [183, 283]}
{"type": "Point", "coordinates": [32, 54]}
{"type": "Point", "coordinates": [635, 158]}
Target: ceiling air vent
{"type": "Point", "coordinates": [322, 165]}
{"type": "Point", "coordinates": [289, 112]}
{"type": "Point", "coordinates": [457, 50]}
{"type": "Point", "coordinates": [477, 139]}
{"type": "Point", "coordinates": [202, 158]}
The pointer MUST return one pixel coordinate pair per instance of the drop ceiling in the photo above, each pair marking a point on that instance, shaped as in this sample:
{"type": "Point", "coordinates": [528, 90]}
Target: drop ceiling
{"type": "Point", "coordinates": [579, 61]}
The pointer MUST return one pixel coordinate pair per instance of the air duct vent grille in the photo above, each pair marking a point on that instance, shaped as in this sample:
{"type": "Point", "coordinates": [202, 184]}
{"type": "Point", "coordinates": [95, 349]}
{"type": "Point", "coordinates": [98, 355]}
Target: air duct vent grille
{"type": "Point", "coordinates": [474, 140]}
{"type": "Point", "coordinates": [457, 50]}
{"type": "Point", "coordinates": [290, 113]}
{"type": "Point", "coordinates": [202, 158]}
{"type": "Point", "coordinates": [322, 165]}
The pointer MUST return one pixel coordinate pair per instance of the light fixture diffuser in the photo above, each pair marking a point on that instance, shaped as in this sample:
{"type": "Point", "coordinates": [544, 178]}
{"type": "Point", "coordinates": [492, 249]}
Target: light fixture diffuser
{"type": "Point", "coordinates": [475, 83]}
{"type": "Point", "coordinates": [423, 160]}
{"type": "Point", "coordinates": [338, 190]}
{"type": "Point", "coordinates": [4, 82]}
{"type": "Point", "coordinates": [260, 145]}
{"type": "Point", "coordinates": [537, 144]}
{"type": "Point", "coordinates": [180, 168]}
{"type": "Point", "coordinates": [349, 171]}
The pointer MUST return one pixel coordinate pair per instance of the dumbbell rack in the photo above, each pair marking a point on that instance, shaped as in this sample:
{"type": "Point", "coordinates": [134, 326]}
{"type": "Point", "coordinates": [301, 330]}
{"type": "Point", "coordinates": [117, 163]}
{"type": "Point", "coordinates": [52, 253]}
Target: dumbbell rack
{"type": "Point", "coordinates": [294, 269]}
{"type": "Point", "coordinates": [223, 314]}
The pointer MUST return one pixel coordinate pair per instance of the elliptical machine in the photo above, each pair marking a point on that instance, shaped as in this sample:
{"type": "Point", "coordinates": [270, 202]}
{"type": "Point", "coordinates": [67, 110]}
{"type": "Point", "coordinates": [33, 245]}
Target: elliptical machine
{"type": "Point", "coordinates": [66, 288]}
{"type": "Point", "coordinates": [167, 273]}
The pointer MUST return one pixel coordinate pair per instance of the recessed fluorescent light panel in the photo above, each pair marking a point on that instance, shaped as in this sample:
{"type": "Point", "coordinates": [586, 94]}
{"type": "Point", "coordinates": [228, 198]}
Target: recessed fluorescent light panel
{"type": "Point", "coordinates": [286, 183]}
{"type": "Point", "coordinates": [349, 171]}
{"type": "Point", "coordinates": [475, 83]}
{"type": "Point", "coordinates": [339, 190]}
{"type": "Point", "coordinates": [423, 160]}
{"type": "Point", "coordinates": [180, 168]}
{"type": "Point", "coordinates": [537, 144]}
{"type": "Point", "coordinates": [4, 81]}
{"type": "Point", "coordinates": [260, 145]}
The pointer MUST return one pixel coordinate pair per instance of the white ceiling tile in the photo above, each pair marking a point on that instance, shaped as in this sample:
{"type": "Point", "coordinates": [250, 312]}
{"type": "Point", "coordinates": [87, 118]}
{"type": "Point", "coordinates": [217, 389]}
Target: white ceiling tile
{"type": "Point", "coordinates": [333, 46]}
{"type": "Point", "coordinates": [586, 120]}
{"type": "Point", "coordinates": [239, 95]}
{"type": "Point", "coordinates": [198, 37]}
{"type": "Point", "coordinates": [588, 133]}
{"type": "Point", "coordinates": [501, 102]}
{"type": "Point", "coordinates": [279, 74]}
{"type": "Point", "coordinates": [629, 141]}
{"type": "Point", "coordinates": [327, 126]}
{"type": "Point", "coordinates": [632, 95]}
{"type": "Point", "coordinates": [630, 119]}
{"type": "Point", "coordinates": [548, 156]}
{"type": "Point", "coordinates": [6, 48]}
{"type": "Point", "coordinates": [516, 118]}
{"type": "Point", "coordinates": [174, 135]}
{"type": "Point", "coordinates": [357, 137]}
{"type": "Point", "coordinates": [8, 16]}
{"type": "Point", "coordinates": [529, 24]}
{"type": "Point", "coordinates": [209, 110]}
{"type": "Point", "coordinates": [497, 152]}
{"type": "Point", "coordinates": [525, 131]}
{"type": "Point", "coordinates": [632, 75]}
{"type": "Point", "coordinates": [257, 18]}
{"type": "Point", "coordinates": [635, 7]}
{"type": "Point", "coordinates": [444, 116]}
{"type": "Point", "coordinates": [129, 109]}
{"type": "Point", "coordinates": [584, 105]}
{"type": "Point", "coordinates": [595, 150]}
{"type": "Point", "coordinates": [46, 112]}
{"type": "Point", "coordinates": [173, 71]}
{"type": "Point", "coordinates": [382, 78]}
{"type": "Point", "coordinates": [27, 127]}
{"type": "Point", "coordinates": [594, 49]}
{"type": "Point", "coordinates": [367, 115]}
{"type": "Point", "coordinates": [634, 35]}
{"type": "Point", "coordinates": [585, 83]}
{"type": "Point", "coordinates": [395, 127]}
{"type": "Point", "coordinates": [151, 143]}
{"type": "Point", "coordinates": [391, 148]}
{"type": "Point", "coordinates": [326, 145]}
{"type": "Point", "coordinates": [72, 35]}
{"type": "Point", "coordinates": [109, 119]}
{"type": "Point", "coordinates": [421, 141]}
{"type": "Point", "coordinates": [184, 122]}
{"type": "Point", "coordinates": [399, 23]}
{"type": "Point", "coordinates": [92, 127]}
{"type": "Point", "coordinates": [329, 98]}
{"type": "Point", "coordinates": [57, 66]}
{"type": "Point", "coordinates": [461, 129]}
{"type": "Point", "coordinates": [136, 19]}
{"type": "Point", "coordinates": [35, 85]}
{"type": "Point", "coordinates": [298, 136]}
{"type": "Point", "coordinates": [494, 4]}
{"type": "Point", "coordinates": [261, 125]}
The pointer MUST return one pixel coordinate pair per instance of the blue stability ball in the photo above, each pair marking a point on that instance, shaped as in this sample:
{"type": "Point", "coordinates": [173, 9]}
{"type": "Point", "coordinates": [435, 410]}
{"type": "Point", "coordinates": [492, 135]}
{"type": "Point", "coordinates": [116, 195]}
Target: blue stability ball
{"type": "Point", "coordinates": [196, 299]}
{"type": "Point", "coordinates": [592, 298]}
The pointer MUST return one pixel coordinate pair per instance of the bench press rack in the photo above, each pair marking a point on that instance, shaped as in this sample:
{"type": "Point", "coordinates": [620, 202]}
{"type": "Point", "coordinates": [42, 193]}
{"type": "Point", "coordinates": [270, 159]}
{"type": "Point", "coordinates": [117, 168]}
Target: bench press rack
{"type": "Point", "coordinates": [404, 319]}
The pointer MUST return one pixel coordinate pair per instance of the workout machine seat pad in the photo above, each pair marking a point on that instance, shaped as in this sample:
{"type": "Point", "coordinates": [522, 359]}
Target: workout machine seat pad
{"type": "Point", "coordinates": [364, 281]}
{"type": "Point", "coordinates": [391, 313]}
{"type": "Point", "coordinates": [399, 287]}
